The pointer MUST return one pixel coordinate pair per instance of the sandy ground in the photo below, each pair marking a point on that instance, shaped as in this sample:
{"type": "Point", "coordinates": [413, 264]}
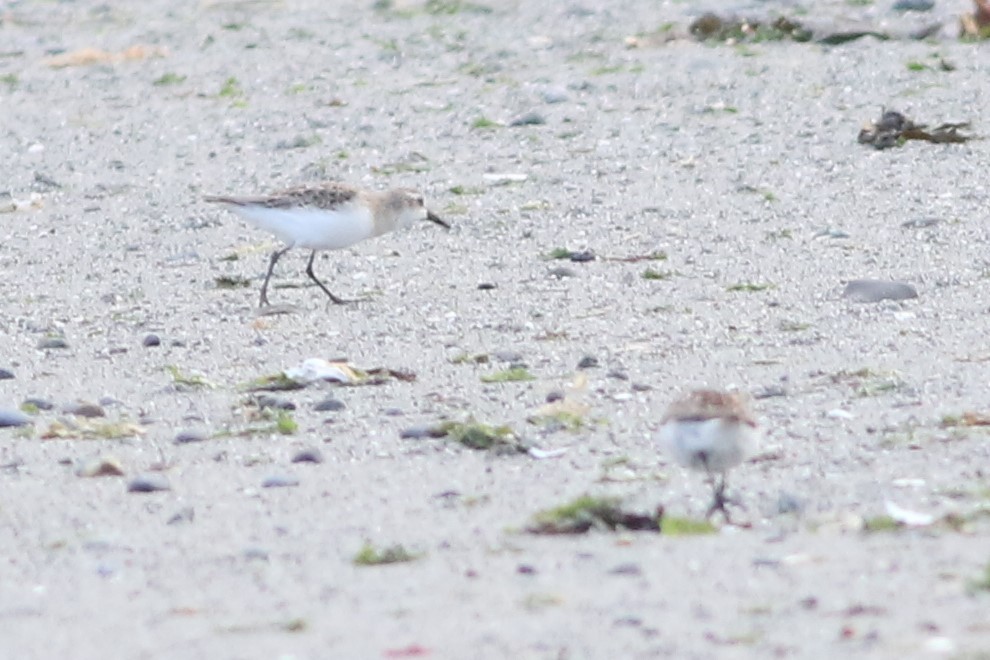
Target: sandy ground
{"type": "Point", "coordinates": [740, 163]}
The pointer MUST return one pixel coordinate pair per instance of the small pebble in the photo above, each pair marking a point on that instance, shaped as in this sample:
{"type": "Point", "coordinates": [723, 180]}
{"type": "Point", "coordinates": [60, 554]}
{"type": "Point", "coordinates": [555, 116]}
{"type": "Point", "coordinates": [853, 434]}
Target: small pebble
{"type": "Point", "coordinates": [626, 569]}
{"type": "Point", "coordinates": [329, 405]}
{"type": "Point", "coordinates": [920, 223]}
{"type": "Point", "coordinates": [869, 291]}
{"type": "Point", "coordinates": [788, 503]}
{"type": "Point", "coordinates": [618, 374]}
{"type": "Point", "coordinates": [486, 286]}
{"type": "Point", "coordinates": [151, 340]}
{"type": "Point", "coordinates": [11, 417]}
{"type": "Point", "coordinates": [84, 409]}
{"type": "Point", "coordinates": [770, 391]}
{"type": "Point", "coordinates": [40, 404]}
{"type": "Point", "coordinates": [308, 455]}
{"type": "Point", "coordinates": [588, 362]}
{"type": "Point", "coordinates": [53, 342]}
{"type": "Point", "coordinates": [560, 272]}
{"type": "Point", "coordinates": [6, 374]}
{"type": "Point", "coordinates": [188, 437]}
{"type": "Point", "coordinates": [554, 395]}
{"type": "Point", "coordinates": [417, 432]}
{"type": "Point", "coordinates": [508, 356]}
{"type": "Point", "coordinates": [269, 401]}
{"type": "Point", "coordinates": [279, 481]}
{"type": "Point", "coordinates": [554, 95]}
{"type": "Point", "coordinates": [525, 569]}
{"type": "Point", "coordinates": [259, 554]}
{"type": "Point", "coordinates": [582, 256]}
{"type": "Point", "coordinates": [148, 483]}
{"type": "Point", "coordinates": [183, 515]}
{"type": "Point", "coordinates": [528, 119]}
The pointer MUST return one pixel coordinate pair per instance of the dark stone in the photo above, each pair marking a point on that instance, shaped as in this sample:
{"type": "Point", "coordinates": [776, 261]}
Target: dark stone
{"type": "Point", "coordinates": [189, 437]}
{"type": "Point", "coordinates": [588, 362]}
{"type": "Point", "coordinates": [279, 481]}
{"type": "Point", "coordinates": [870, 291]}
{"type": "Point", "coordinates": [52, 343]}
{"type": "Point", "coordinates": [148, 483]}
{"type": "Point", "coordinates": [329, 405]}
{"type": "Point", "coordinates": [308, 455]}
{"type": "Point", "coordinates": [10, 417]}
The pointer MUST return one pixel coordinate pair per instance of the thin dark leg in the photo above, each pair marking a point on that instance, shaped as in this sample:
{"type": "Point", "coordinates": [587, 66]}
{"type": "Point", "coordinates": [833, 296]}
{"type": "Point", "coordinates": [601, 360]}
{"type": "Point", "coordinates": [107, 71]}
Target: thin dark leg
{"type": "Point", "coordinates": [312, 276]}
{"type": "Point", "coordinates": [718, 491]}
{"type": "Point", "coordinates": [276, 255]}
{"type": "Point", "coordinates": [720, 500]}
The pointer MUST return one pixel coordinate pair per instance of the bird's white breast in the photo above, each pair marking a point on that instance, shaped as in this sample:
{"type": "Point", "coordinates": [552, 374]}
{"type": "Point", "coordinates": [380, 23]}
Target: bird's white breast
{"type": "Point", "coordinates": [716, 443]}
{"type": "Point", "coordinates": [312, 228]}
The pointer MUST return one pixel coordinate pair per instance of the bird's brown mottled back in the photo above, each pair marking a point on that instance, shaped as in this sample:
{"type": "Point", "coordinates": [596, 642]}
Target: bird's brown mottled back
{"type": "Point", "coordinates": [325, 196]}
{"type": "Point", "coordinates": [702, 405]}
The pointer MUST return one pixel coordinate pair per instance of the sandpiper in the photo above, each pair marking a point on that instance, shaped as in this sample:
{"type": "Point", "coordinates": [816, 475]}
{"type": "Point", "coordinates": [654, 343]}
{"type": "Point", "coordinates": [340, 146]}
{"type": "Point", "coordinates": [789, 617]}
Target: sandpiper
{"type": "Point", "coordinates": [327, 216]}
{"type": "Point", "coordinates": [710, 431]}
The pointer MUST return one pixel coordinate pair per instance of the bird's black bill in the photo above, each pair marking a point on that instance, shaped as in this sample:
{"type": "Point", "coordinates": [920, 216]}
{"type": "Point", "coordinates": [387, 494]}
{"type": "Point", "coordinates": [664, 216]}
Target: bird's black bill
{"type": "Point", "coordinates": [433, 217]}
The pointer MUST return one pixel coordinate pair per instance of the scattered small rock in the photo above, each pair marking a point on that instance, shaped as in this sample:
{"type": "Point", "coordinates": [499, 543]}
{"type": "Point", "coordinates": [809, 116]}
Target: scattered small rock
{"type": "Point", "coordinates": [85, 409]}
{"type": "Point", "coordinates": [560, 272]}
{"type": "Point", "coordinates": [6, 374]}
{"type": "Point", "coordinates": [508, 356]}
{"type": "Point", "coordinates": [869, 291]}
{"type": "Point", "coordinates": [421, 431]}
{"type": "Point", "coordinates": [269, 401]}
{"type": "Point", "coordinates": [40, 404]}
{"type": "Point", "coordinates": [525, 569]}
{"type": "Point", "coordinates": [554, 95]}
{"type": "Point", "coordinates": [183, 515]}
{"type": "Point", "coordinates": [52, 343]}
{"type": "Point", "coordinates": [770, 391]}
{"type": "Point", "coordinates": [554, 395]}
{"type": "Point", "coordinates": [280, 481]}
{"type": "Point", "coordinates": [308, 455]}
{"type": "Point", "coordinates": [151, 340]}
{"type": "Point", "coordinates": [10, 417]}
{"type": "Point", "coordinates": [920, 223]}
{"type": "Point", "coordinates": [256, 553]}
{"type": "Point", "coordinates": [148, 483]}
{"type": "Point", "coordinates": [588, 362]}
{"type": "Point", "coordinates": [486, 286]}
{"type": "Point", "coordinates": [528, 119]}
{"type": "Point", "coordinates": [107, 466]}
{"type": "Point", "coordinates": [788, 503]}
{"type": "Point", "coordinates": [626, 569]}
{"type": "Point", "coordinates": [45, 182]}
{"type": "Point", "coordinates": [582, 256]}
{"type": "Point", "coordinates": [329, 405]}
{"type": "Point", "coordinates": [618, 374]}
{"type": "Point", "coordinates": [189, 437]}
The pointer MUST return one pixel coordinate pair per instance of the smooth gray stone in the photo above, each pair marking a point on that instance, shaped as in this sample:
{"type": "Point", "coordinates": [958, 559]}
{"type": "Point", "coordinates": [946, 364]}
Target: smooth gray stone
{"type": "Point", "coordinates": [868, 291]}
{"type": "Point", "coordinates": [13, 417]}
{"type": "Point", "coordinates": [148, 483]}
